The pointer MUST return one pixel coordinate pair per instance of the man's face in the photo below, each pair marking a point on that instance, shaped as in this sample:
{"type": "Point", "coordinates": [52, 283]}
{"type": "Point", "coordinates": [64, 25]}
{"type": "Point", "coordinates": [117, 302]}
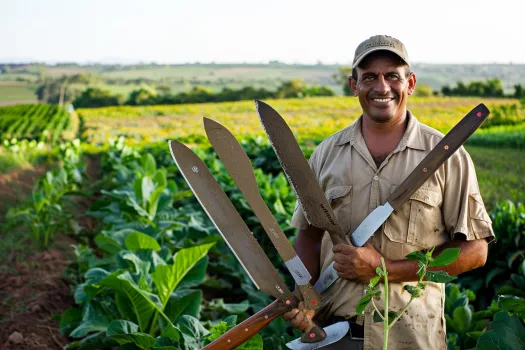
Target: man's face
{"type": "Point", "coordinates": [383, 87]}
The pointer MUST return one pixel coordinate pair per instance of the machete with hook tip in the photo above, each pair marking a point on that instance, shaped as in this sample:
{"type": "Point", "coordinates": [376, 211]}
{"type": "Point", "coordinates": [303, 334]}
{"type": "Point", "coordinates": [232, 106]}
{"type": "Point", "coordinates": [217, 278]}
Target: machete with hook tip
{"type": "Point", "coordinates": [242, 243]}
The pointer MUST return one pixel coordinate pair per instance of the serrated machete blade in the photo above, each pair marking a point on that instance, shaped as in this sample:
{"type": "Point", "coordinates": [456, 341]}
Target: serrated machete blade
{"type": "Point", "coordinates": [317, 210]}
{"type": "Point", "coordinates": [228, 222]}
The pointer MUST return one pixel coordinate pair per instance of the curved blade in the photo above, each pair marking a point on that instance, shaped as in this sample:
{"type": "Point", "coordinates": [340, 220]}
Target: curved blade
{"type": "Point", "coordinates": [228, 222]}
{"type": "Point", "coordinates": [316, 208]}
{"type": "Point", "coordinates": [240, 168]}
{"type": "Point", "coordinates": [334, 333]}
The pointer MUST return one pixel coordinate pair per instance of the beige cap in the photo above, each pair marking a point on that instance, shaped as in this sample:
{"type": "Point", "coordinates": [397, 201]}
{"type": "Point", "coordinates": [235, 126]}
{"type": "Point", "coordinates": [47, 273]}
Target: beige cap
{"type": "Point", "coordinates": [377, 43]}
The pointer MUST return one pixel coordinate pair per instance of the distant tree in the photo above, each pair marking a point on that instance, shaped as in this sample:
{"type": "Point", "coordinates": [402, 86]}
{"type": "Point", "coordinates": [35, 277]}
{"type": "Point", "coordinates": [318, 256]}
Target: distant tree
{"type": "Point", "coordinates": [163, 89]}
{"type": "Point", "coordinates": [341, 77]}
{"type": "Point", "coordinates": [424, 90]}
{"type": "Point", "coordinates": [143, 96]}
{"type": "Point", "coordinates": [290, 89]}
{"type": "Point", "coordinates": [94, 97]}
{"type": "Point", "coordinates": [519, 91]}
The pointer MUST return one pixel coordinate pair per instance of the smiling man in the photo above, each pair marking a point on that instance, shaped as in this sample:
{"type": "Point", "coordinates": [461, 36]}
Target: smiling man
{"type": "Point", "coordinates": [358, 168]}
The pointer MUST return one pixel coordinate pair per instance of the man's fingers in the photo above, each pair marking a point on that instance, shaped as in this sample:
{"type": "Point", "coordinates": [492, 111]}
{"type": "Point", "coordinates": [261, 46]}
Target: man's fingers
{"type": "Point", "coordinates": [290, 315]}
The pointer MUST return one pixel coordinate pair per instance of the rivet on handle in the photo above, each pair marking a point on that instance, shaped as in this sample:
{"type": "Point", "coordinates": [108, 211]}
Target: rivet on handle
{"type": "Point", "coordinates": [425, 170]}
{"type": "Point", "coordinates": [479, 114]}
{"type": "Point", "coordinates": [446, 146]}
{"type": "Point", "coordinates": [312, 335]}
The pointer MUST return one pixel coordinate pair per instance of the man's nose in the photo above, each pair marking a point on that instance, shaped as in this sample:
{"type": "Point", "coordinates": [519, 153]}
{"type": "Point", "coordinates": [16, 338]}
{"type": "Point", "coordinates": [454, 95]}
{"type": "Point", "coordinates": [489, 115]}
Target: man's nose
{"type": "Point", "coordinates": [381, 86]}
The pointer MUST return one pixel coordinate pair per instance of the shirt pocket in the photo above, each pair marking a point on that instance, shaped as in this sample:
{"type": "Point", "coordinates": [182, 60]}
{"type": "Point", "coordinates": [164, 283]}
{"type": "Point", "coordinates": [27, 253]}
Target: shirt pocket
{"type": "Point", "coordinates": [481, 225]}
{"type": "Point", "coordinates": [340, 199]}
{"type": "Point", "coordinates": [418, 222]}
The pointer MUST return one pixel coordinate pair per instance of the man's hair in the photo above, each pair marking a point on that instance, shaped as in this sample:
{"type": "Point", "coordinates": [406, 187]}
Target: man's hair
{"type": "Point", "coordinates": [373, 55]}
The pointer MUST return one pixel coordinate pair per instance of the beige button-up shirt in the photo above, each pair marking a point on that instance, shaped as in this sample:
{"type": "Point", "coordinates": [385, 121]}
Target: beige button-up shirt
{"type": "Point", "coordinates": [449, 202]}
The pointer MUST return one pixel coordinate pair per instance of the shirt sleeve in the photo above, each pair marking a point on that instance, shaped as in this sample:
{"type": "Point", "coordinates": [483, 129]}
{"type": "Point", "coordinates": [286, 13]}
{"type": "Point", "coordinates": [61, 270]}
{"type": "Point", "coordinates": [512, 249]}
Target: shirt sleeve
{"type": "Point", "coordinates": [463, 208]}
{"type": "Point", "coordinates": [299, 219]}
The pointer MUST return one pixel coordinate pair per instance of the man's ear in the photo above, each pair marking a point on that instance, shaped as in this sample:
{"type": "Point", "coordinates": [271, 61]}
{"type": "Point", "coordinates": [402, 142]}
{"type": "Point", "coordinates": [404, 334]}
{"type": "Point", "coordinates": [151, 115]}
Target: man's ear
{"type": "Point", "coordinates": [353, 85]}
{"type": "Point", "coordinates": [411, 83]}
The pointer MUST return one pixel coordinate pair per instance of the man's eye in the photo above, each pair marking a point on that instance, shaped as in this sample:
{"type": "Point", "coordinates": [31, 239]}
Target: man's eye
{"type": "Point", "coordinates": [393, 77]}
{"type": "Point", "coordinates": [368, 78]}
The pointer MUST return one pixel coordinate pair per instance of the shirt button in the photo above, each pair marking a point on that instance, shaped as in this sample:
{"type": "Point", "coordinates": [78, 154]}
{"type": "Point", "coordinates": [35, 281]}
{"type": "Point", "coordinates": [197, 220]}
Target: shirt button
{"type": "Point", "coordinates": [376, 178]}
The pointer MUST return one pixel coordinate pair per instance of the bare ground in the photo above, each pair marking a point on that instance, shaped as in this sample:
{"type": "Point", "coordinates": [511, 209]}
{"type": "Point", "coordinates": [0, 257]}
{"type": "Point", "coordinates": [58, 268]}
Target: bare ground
{"type": "Point", "coordinates": [32, 287]}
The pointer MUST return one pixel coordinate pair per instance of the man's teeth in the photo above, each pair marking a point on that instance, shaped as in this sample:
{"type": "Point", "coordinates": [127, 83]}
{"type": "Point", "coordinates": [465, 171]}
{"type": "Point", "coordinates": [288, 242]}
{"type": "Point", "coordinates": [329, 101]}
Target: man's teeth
{"type": "Point", "coordinates": [382, 99]}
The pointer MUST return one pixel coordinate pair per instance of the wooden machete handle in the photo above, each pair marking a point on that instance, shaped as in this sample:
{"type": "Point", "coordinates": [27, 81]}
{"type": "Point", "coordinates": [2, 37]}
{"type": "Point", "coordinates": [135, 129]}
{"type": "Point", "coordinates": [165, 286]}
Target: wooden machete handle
{"type": "Point", "coordinates": [252, 325]}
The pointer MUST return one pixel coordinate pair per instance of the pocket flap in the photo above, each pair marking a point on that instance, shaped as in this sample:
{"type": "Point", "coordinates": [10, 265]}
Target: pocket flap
{"type": "Point", "coordinates": [477, 208]}
{"type": "Point", "coordinates": [337, 192]}
{"type": "Point", "coordinates": [428, 195]}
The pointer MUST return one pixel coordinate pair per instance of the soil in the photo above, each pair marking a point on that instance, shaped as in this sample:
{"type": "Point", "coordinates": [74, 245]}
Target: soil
{"type": "Point", "coordinates": [33, 289]}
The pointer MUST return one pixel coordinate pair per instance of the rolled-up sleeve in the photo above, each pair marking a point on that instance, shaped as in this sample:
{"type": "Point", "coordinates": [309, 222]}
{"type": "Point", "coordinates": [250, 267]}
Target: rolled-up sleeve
{"type": "Point", "coordinates": [463, 208]}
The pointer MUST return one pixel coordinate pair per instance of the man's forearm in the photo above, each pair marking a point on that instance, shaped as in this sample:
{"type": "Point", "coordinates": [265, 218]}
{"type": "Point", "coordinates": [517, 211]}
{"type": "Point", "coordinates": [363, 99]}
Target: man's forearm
{"type": "Point", "coordinates": [308, 248]}
{"type": "Point", "coordinates": [472, 254]}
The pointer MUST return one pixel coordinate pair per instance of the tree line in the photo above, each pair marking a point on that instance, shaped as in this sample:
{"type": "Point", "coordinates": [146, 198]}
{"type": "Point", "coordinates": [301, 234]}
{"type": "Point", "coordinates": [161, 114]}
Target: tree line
{"type": "Point", "coordinates": [93, 97]}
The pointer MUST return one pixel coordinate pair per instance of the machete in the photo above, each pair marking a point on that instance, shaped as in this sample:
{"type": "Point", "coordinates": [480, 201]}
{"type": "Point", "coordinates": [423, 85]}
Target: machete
{"type": "Point", "coordinates": [311, 196]}
{"type": "Point", "coordinates": [238, 164]}
{"type": "Point", "coordinates": [244, 246]}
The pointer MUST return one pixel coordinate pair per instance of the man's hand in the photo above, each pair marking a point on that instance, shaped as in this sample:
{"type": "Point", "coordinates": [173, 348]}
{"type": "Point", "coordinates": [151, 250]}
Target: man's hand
{"type": "Point", "coordinates": [299, 318]}
{"type": "Point", "coordinates": [356, 263]}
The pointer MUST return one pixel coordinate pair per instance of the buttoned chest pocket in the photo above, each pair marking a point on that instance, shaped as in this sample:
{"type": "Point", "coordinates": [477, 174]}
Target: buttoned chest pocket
{"type": "Point", "coordinates": [340, 199]}
{"type": "Point", "coordinates": [419, 221]}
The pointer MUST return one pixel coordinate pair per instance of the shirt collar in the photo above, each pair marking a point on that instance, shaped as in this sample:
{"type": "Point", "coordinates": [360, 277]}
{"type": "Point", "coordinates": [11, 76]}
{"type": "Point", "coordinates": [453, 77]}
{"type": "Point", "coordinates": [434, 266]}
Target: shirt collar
{"type": "Point", "coordinates": [412, 137]}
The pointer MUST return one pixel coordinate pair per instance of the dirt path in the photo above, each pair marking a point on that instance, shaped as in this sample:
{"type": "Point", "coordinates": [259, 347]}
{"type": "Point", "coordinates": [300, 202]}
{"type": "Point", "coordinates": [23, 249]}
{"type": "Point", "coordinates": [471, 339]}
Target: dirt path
{"type": "Point", "coordinates": [33, 289]}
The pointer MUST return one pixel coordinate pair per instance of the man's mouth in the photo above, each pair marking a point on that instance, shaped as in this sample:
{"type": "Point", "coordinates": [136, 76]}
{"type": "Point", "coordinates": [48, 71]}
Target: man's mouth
{"type": "Point", "coordinates": [383, 100]}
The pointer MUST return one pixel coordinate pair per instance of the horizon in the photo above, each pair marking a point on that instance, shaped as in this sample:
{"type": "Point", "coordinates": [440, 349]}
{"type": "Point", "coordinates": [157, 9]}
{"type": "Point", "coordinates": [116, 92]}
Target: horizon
{"type": "Point", "coordinates": [292, 32]}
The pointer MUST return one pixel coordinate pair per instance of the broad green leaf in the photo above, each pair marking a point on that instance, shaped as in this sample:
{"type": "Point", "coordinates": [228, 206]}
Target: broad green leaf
{"type": "Point", "coordinates": [196, 275]}
{"type": "Point", "coordinates": [167, 277]}
{"type": "Point", "coordinates": [462, 318]}
{"type": "Point", "coordinates": [144, 304]}
{"type": "Point", "coordinates": [416, 255]}
{"type": "Point", "coordinates": [125, 307]}
{"type": "Point", "coordinates": [363, 303]}
{"type": "Point", "coordinates": [446, 257]}
{"type": "Point", "coordinates": [192, 331]}
{"type": "Point", "coordinates": [122, 327]}
{"type": "Point", "coordinates": [92, 321]}
{"type": "Point", "coordinates": [147, 188]}
{"type": "Point", "coordinates": [139, 339]}
{"type": "Point", "coordinates": [171, 332]}
{"type": "Point", "coordinates": [512, 304]}
{"type": "Point", "coordinates": [154, 201]}
{"type": "Point", "coordinates": [438, 277]}
{"type": "Point", "coordinates": [107, 244]}
{"type": "Point", "coordinates": [184, 303]}
{"type": "Point", "coordinates": [141, 267]}
{"type": "Point", "coordinates": [221, 306]}
{"type": "Point", "coordinates": [127, 332]}
{"type": "Point", "coordinates": [138, 240]}
{"type": "Point", "coordinates": [69, 320]}
{"type": "Point", "coordinates": [148, 164]}
{"type": "Point", "coordinates": [508, 333]}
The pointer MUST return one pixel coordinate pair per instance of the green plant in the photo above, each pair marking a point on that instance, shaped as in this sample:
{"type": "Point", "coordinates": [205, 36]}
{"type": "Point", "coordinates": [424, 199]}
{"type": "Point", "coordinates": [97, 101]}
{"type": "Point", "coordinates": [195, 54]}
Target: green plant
{"type": "Point", "coordinates": [425, 261]}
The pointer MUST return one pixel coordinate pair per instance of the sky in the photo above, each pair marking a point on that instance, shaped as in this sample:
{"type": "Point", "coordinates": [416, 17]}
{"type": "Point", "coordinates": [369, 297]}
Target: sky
{"type": "Point", "coordinates": [246, 31]}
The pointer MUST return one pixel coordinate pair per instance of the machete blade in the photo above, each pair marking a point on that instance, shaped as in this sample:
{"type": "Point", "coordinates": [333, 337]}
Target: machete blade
{"type": "Point", "coordinates": [228, 222]}
{"type": "Point", "coordinates": [311, 197]}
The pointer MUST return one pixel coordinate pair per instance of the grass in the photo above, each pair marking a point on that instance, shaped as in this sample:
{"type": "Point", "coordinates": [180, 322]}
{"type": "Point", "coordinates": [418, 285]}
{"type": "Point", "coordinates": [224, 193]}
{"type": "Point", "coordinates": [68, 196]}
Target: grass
{"type": "Point", "coordinates": [500, 173]}
{"type": "Point", "coordinates": [17, 92]}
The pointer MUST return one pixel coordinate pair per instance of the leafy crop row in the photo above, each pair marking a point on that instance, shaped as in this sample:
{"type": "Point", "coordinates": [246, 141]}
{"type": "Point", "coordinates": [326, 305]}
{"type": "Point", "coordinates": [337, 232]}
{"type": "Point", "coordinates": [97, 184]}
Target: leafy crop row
{"type": "Point", "coordinates": [40, 122]}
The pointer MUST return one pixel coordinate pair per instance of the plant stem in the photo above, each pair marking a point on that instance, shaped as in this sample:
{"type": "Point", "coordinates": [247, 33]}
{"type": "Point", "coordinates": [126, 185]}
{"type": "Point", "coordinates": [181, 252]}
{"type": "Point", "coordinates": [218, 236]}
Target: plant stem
{"type": "Point", "coordinates": [385, 319]}
{"type": "Point", "coordinates": [401, 313]}
{"type": "Point", "coordinates": [377, 310]}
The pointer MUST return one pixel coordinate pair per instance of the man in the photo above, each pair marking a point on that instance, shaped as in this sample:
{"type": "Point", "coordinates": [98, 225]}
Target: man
{"type": "Point", "coordinates": [358, 168]}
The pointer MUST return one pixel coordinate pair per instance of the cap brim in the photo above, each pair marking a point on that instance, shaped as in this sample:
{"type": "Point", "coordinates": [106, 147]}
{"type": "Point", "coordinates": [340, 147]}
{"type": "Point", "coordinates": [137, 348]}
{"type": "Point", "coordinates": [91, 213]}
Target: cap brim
{"type": "Point", "coordinates": [356, 63]}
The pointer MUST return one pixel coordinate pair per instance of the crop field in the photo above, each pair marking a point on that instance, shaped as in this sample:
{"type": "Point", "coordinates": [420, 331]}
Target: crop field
{"type": "Point", "coordinates": [17, 92]}
{"type": "Point", "coordinates": [147, 268]}
{"type": "Point", "coordinates": [309, 119]}
{"type": "Point", "coordinates": [33, 121]}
